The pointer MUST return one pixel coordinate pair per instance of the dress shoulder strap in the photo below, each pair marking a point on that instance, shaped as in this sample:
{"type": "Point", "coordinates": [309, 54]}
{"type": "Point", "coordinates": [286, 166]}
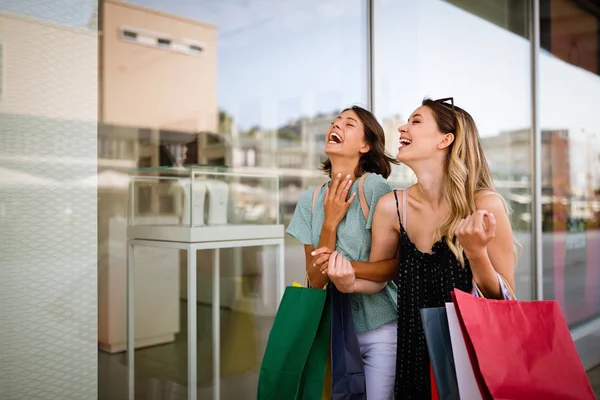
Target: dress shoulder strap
{"type": "Point", "coordinates": [404, 208]}
{"type": "Point", "coordinates": [397, 207]}
{"type": "Point", "coordinates": [401, 221]}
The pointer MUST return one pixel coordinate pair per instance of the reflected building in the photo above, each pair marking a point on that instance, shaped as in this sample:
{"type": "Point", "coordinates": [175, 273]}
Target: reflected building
{"type": "Point", "coordinates": [568, 194]}
{"type": "Point", "coordinates": [157, 107]}
{"type": "Point", "coordinates": [158, 77]}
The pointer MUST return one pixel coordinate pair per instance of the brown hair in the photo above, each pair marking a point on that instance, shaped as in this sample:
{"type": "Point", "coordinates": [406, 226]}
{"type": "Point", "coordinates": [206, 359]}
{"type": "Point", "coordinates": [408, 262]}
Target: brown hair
{"type": "Point", "coordinates": [376, 160]}
{"type": "Point", "coordinates": [467, 174]}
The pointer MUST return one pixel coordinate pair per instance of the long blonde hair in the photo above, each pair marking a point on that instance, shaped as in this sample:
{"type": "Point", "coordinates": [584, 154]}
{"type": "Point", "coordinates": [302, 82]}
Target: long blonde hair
{"type": "Point", "coordinates": [467, 174]}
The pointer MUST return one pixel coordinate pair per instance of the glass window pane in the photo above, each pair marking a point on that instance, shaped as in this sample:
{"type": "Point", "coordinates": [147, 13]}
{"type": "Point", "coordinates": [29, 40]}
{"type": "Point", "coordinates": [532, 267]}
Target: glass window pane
{"type": "Point", "coordinates": [570, 123]}
{"type": "Point", "coordinates": [249, 84]}
{"type": "Point", "coordinates": [48, 220]}
{"type": "Point", "coordinates": [478, 53]}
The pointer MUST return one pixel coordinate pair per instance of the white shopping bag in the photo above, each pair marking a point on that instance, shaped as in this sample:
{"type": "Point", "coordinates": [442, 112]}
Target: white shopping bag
{"type": "Point", "coordinates": [467, 384]}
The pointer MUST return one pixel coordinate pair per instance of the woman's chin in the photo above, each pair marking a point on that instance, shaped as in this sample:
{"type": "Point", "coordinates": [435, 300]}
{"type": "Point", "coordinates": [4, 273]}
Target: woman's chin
{"type": "Point", "coordinates": [333, 149]}
{"type": "Point", "coordinates": [402, 159]}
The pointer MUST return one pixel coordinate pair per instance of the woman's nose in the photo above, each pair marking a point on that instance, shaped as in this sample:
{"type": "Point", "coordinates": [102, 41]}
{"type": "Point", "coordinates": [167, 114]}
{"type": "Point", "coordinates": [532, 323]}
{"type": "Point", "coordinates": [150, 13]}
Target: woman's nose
{"type": "Point", "coordinates": [402, 128]}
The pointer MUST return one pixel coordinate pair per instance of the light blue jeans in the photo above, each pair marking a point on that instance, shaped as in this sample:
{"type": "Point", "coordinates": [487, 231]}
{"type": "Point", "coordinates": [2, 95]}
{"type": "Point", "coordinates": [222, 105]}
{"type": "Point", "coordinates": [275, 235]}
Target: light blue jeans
{"type": "Point", "coordinates": [378, 349]}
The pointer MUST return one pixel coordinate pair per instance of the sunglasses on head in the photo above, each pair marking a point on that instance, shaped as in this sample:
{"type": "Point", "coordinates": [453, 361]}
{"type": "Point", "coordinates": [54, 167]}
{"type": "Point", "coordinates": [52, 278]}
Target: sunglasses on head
{"type": "Point", "coordinates": [447, 101]}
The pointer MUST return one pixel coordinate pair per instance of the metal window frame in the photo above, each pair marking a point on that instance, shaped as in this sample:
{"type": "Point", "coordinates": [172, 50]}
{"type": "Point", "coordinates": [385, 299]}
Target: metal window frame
{"type": "Point", "coordinates": [537, 272]}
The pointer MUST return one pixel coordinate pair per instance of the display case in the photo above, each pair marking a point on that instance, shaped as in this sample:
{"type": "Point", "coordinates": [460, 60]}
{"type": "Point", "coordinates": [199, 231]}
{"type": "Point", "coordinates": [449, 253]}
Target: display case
{"type": "Point", "coordinates": [209, 203]}
{"type": "Point", "coordinates": [205, 208]}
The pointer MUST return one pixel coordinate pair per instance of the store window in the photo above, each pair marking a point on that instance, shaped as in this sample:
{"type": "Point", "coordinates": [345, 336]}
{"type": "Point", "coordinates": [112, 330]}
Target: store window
{"type": "Point", "coordinates": [48, 199]}
{"type": "Point", "coordinates": [570, 122]}
{"type": "Point", "coordinates": [255, 89]}
{"type": "Point", "coordinates": [427, 48]}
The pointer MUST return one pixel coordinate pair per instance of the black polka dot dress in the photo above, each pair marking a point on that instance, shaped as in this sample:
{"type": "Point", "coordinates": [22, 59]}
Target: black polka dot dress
{"type": "Point", "coordinates": [424, 280]}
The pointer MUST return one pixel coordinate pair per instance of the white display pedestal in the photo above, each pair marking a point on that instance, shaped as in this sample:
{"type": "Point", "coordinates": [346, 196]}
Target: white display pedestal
{"type": "Point", "coordinates": [193, 239]}
{"type": "Point", "coordinates": [157, 317]}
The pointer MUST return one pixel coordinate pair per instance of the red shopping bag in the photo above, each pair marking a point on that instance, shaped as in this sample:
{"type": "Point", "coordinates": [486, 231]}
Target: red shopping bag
{"type": "Point", "coordinates": [521, 350]}
{"type": "Point", "coordinates": [434, 393]}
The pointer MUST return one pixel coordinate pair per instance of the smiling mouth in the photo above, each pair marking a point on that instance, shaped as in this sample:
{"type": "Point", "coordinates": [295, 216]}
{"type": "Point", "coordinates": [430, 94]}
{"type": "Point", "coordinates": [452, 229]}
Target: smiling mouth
{"type": "Point", "coordinates": [405, 142]}
{"type": "Point", "coordinates": [335, 138]}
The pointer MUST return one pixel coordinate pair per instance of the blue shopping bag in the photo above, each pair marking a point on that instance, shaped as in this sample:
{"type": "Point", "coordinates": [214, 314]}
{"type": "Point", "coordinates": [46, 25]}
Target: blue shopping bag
{"type": "Point", "coordinates": [347, 371]}
{"type": "Point", "coordinates": [439, 347]}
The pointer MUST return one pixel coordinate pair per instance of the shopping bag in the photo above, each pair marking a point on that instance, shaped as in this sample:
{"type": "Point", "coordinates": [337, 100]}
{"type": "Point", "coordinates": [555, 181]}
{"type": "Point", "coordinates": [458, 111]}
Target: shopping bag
{"type": "Point", "coordinates": [521, 350]}
{"type": "Point", "coordinates": [434, 393]}
{"type": "Point", "coordinates": [468, 387]}
{"type": "Point", "coordinates": [439, 347]}
{"type": "Point", "coordinates": [294, 363]}
{"type": "Point", "coordinates": [347, 371]}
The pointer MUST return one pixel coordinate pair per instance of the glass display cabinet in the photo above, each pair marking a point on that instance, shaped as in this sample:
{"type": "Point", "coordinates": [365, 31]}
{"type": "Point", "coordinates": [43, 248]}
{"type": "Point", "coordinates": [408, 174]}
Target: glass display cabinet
{"type": "Point", "coordinates": [203, 207]}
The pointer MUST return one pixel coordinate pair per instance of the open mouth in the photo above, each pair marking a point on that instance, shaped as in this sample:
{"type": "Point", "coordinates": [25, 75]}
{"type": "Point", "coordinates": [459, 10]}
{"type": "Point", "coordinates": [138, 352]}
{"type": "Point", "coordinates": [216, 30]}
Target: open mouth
{"type": "Point", "coordinates": [335, 138]}
{"type": "Point", "coordinates": [405, 142]}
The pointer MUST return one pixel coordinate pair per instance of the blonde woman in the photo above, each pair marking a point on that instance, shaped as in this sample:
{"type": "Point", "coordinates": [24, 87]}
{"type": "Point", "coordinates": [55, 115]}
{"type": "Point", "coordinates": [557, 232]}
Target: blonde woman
{"type": "Point", "coordinates": [450, 230]}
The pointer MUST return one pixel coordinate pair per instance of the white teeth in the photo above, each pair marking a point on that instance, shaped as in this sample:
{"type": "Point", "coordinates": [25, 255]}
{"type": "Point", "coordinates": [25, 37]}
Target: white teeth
{"type": "Point", "coordinates": [405, 142]}
{"type": "Point", "coordinates": [335, 138]}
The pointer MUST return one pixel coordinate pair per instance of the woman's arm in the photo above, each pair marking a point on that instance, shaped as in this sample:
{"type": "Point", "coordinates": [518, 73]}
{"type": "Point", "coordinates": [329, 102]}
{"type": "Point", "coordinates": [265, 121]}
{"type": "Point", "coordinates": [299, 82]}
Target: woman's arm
{"type": "Point", "coordinates": [383, 263]}
{"type": "Point", "coordinates": [376, 271]}
{"type": "Point", "coordinates": [382, 266]}
{"type": "Point", "coordinates": [328, 239]}
{"type": "Point", "coordinates": [335, 207]}
{"type": "Point", "coordinates": [488, 241]}
{"type": "Point", "coordinates": [342, 275]}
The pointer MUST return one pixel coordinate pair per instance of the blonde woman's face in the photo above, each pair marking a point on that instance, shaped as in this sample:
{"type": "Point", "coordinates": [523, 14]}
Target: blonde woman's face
{"type": "Point", "coordinates": [420, 137]}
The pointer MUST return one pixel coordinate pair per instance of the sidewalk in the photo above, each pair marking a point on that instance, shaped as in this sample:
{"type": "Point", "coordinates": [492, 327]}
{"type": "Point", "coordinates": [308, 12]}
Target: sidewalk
{"type": "Point", "coordinates": [594, 376]}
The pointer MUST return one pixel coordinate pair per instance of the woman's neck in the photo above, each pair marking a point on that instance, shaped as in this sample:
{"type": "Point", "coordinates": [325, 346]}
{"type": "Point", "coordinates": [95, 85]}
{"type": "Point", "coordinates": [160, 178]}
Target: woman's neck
{"type": "Point", "coordinates": [430, 185]}
{"type": "Point", "coordinates": [344, 167]}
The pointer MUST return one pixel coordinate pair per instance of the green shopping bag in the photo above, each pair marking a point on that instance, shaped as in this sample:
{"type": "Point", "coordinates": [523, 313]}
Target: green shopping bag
{"type": "Point", "coordinates": [294, 363]}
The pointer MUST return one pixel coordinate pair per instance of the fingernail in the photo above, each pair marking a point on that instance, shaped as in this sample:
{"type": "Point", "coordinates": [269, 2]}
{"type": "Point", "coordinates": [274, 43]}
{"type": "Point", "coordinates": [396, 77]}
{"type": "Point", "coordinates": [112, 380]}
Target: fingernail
{"type": "Point", "coordinates": [340, 174]}
{"type": "Point", "coordinates": [314, 265]}
{"type": "Point", "coordinates": [348, 176]}
{"type": "Point", "coordinates": [312, 254]}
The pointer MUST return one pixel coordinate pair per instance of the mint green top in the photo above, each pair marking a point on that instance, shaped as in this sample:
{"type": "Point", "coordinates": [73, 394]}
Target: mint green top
{"type": "Point", "coordinates": [353, 242]}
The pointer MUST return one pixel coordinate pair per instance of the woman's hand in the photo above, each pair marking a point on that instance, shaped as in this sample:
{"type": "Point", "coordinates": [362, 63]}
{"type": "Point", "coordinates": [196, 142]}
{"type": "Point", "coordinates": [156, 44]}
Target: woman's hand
{"type": "Point", "coordinates": [336, 202]}
{"type": "Point", "coordinates": [341, 273]}
{"type": "Point", "coordinates": [475, 232]}
{"type": "Point", "coordinates": [320, 258]}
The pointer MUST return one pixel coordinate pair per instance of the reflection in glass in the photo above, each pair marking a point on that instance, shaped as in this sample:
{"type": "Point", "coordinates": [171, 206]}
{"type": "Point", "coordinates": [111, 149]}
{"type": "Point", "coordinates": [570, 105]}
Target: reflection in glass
{"type": "Point", "coordinates": [435, 53]}
{"type": "Point", "coordinates": [570, 122]}
{"type": "Point", "coordinates": [249, 85]}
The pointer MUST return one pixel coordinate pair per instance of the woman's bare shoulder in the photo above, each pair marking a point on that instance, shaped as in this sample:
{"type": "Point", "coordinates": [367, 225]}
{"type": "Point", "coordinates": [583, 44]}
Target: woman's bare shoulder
{"type": "Point", "coordinates": [490, 200]}
{"type": "Point", "coordinates": [391, 203]}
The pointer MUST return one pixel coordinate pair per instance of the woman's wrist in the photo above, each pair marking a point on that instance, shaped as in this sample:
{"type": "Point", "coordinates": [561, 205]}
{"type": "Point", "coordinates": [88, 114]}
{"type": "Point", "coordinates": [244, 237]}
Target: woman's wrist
{"type": "Point", "coordinates": [330, 225]}
{"type": "Point", "coordinates": [477, 256]}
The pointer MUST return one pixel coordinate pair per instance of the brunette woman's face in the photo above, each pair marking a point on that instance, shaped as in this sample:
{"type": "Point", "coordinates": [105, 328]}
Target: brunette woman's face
{"type": "Point", "coordinates": [346, 136]}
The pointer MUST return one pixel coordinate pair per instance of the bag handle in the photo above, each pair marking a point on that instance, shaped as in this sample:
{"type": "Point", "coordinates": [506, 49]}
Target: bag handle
{"type": "Point", "coordinates": [504, 286]}
{"type": "Point", "coordinates": [315, 195]}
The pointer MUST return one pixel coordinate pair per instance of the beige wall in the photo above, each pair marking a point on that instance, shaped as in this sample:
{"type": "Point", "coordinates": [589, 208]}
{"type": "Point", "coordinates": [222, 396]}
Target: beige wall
{"type": "Point", "coordinates": [156, 88]}
{"type": "Point", "coordinates": [36, 81]}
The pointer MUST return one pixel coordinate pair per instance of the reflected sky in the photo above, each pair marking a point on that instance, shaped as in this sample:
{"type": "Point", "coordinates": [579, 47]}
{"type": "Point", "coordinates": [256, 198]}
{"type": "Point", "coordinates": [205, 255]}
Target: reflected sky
{"type": "Point", "coordinates": [74, 13]}
{"type": "Point", "coordinates": [278, 60]}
